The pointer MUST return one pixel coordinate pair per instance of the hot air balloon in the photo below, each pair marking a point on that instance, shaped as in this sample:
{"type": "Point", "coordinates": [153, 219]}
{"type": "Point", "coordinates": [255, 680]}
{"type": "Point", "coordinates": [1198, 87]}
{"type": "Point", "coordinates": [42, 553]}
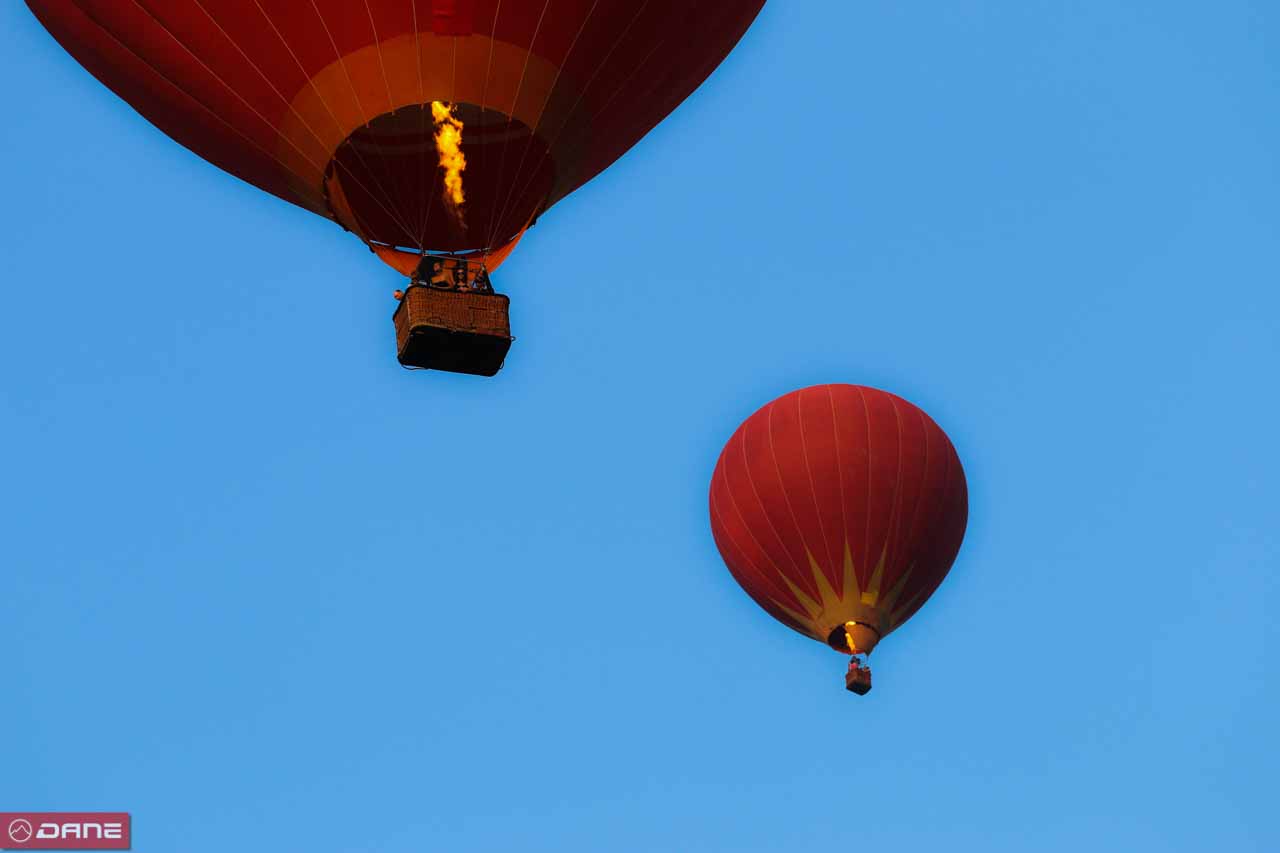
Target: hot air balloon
{"type": "Point", "coordinates": [839, 509]}
{"type": "Point", "coordinates": [436, 131]}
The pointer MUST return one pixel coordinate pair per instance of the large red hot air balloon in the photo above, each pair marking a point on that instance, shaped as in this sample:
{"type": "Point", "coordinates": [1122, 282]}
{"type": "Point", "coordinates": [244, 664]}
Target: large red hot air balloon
{"type": "Point", "coordinates": [352, 110]}
{"type": "Point", "coordinates": [839, 509]}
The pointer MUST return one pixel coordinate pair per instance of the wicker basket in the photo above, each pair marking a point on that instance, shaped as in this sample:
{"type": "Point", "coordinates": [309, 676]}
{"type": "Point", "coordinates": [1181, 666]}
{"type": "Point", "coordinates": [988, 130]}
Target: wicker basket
{"type": "Point", "coordinates": [858, 680]}
{"type": "Point", "coordinates": [458, 331]}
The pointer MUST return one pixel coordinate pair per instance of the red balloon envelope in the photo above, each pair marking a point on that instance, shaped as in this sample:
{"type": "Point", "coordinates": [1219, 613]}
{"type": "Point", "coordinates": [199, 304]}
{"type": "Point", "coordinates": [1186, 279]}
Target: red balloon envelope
{"type": "Point", "coordinates": [327, 103]}
{"type": "Point", "coordinates": [839, 509]}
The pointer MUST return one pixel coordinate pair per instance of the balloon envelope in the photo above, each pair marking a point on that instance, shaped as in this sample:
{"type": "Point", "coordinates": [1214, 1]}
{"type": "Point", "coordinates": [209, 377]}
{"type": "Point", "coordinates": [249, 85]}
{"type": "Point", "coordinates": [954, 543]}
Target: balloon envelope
{"type": "Point", "coordinates": [327, 103]}
{"type": "Point", "coordinates": [839, 504]}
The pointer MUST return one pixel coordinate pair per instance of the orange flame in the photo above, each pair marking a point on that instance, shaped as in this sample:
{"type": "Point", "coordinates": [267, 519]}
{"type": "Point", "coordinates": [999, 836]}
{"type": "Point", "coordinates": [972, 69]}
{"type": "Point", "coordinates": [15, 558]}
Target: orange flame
{"type": "Point", "coordinates": [452, 160]}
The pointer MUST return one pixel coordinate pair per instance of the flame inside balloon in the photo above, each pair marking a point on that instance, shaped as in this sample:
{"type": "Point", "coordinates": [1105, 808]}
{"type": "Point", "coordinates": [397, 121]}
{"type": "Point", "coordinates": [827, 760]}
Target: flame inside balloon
{"type": "Point", "coordinates": [452, 160]}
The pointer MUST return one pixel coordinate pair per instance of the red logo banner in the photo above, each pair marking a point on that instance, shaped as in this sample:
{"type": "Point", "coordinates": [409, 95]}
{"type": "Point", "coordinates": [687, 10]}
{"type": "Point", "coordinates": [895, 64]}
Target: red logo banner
{"type": "Point", "coordinates": [64, 831]}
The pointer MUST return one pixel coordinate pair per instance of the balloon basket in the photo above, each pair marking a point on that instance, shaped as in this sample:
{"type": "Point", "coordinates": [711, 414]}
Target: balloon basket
{"type": "Point", "coordinates": [858, 679]}
{"type": "Point", "coordinates": [455, 330]}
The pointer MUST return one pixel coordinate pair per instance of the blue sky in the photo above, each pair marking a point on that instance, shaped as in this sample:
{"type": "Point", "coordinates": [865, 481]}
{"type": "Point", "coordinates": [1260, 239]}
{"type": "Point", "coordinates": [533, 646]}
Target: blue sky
{"type": "Point", "coordinates": [266, 602]}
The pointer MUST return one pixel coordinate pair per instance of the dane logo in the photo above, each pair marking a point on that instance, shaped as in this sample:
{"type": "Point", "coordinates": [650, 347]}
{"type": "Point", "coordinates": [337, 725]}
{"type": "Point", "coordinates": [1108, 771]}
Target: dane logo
{"type": "Point", "coordinates": [64, 831]}
{"type": "Point", "coordinates": [20, 830]}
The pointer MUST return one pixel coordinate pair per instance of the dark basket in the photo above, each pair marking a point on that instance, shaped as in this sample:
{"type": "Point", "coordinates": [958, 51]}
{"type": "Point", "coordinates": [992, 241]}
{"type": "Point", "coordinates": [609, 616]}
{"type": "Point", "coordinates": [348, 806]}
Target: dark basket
{"type": "Point", "coordinates": [455, 330]}
{"type": "Point", "coordinates": [858, 681]}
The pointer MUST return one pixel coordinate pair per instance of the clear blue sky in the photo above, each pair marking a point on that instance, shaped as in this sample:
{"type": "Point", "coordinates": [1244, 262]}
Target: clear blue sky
{"type": "Point", "coordinates": [272, 603]}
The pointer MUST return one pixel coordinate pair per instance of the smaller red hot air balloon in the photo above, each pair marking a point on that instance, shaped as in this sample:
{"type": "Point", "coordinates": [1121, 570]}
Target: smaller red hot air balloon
{"type": "Point", "coordinates": [839, 509]}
